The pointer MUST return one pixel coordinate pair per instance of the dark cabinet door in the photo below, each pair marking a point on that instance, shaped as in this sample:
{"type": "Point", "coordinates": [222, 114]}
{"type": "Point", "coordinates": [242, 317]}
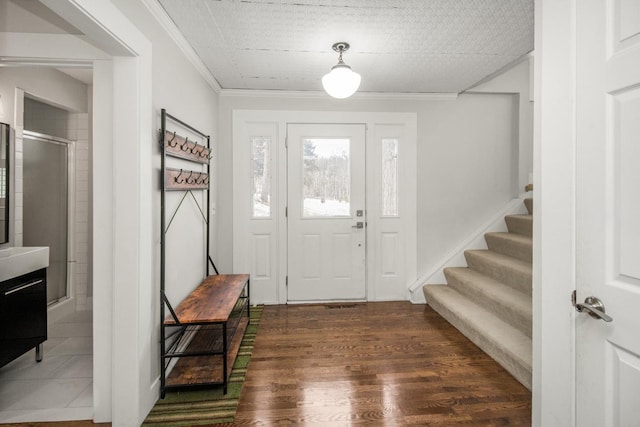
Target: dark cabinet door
{"type": "Point", "coordinates": [23, 314]}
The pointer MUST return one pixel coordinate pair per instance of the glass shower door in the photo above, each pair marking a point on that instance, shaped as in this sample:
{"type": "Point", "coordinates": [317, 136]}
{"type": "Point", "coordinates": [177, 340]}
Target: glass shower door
{"type": "Point", "coordinates": [45, 211]}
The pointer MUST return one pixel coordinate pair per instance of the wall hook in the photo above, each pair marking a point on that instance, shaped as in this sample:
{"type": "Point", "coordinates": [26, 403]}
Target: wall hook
{"type": "Point", "coordinates": [185, 145]}
{"type": "Point", "coordinates": [189, 179]}
{"type": "Point", "coordinates": [200, 179]}
{"type": "Point", "coordinates": [178, 180]}
{"type": "Point", "coordinates": [171, 140]}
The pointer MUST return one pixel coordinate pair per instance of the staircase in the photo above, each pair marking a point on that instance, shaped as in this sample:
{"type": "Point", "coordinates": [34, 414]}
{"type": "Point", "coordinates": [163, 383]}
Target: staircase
{"type": "Point", "coordinates": [490, 300]}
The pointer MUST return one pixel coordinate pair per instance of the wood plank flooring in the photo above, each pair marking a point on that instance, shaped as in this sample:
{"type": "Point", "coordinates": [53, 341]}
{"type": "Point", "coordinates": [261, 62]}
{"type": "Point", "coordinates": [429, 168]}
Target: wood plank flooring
{"type": "Point", "coordinates": [385, 363]}
{"type": "Point", "coordinates": [389, 363]}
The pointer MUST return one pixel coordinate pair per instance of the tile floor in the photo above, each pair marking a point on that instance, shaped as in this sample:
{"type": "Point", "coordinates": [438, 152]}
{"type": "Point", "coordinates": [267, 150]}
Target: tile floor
{"type": "Point", "coordinates": [58, 388]}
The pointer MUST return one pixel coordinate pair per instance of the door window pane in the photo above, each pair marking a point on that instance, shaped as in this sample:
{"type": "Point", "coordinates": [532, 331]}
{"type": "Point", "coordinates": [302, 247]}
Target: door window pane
{"type": "Point", "coordinates": [327, 177]}
{"type": "Point", "coordinates": [389, 177]}
{"type": "Point", "coordinates": [261, 176]}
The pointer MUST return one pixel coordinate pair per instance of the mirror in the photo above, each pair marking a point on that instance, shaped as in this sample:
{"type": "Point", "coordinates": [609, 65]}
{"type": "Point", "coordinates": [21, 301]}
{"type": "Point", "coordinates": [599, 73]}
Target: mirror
{"type": "Point", "coordinates": [4, 182]}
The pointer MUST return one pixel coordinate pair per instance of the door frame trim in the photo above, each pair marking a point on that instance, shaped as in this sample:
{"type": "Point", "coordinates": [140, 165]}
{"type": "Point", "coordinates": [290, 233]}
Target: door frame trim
{"type": "Point", "coordinates": [273, 291]}
{"type": "Point", "coordinates": [554, 130]}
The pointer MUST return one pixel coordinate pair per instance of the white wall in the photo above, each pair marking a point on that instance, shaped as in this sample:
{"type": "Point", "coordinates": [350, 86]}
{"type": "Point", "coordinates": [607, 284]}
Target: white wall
{"type": "Point", "coordinates": [519, 81]}
{"type": "Point", "coordinates": [466, 176]}
{"type": "Point", "coordinates": [48, 84]}
{"type": "Point", "coordinates": [179, 88]}
{"type": "Point", "coordinates": [465, 160]}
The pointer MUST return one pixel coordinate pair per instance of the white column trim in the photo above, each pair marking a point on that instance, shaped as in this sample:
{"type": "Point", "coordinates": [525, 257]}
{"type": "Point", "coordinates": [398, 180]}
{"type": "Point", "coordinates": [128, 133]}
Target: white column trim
{"type": "Point", "coordinates": [123, 252]}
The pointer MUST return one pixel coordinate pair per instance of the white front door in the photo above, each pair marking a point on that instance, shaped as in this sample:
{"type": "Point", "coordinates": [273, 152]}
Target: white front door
{"type": "Point", "coordinates": [608, 211]}
{"type": "Point", "coordinates": [326, 212]}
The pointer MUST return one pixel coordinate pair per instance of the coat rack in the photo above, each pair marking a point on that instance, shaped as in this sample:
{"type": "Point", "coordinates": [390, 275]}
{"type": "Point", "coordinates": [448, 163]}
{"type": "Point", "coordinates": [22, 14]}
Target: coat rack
{"type": "Point", "coordinates": [188, 181]}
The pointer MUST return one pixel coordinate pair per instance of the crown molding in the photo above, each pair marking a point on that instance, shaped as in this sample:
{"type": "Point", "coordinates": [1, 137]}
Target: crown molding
{"type": "Point", "coordinates": [248, 93]}
{"type": "Point", "coordinates": [174, 33]}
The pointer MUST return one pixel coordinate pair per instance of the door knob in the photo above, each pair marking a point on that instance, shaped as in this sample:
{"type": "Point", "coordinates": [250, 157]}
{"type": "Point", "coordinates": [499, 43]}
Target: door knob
{"type": "Point", "coordinates": [359, 224]}
{"type": "Point", "coordinates": [594, 308]}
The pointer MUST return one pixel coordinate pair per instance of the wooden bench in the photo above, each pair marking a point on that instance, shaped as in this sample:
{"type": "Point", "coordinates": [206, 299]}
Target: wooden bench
{"type": "Point", "coordinates": [208, 326]}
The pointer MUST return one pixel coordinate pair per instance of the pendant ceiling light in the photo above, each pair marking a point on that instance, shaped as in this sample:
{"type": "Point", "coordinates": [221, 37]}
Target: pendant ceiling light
{"type": "Point", "coordinates": [341, 81]}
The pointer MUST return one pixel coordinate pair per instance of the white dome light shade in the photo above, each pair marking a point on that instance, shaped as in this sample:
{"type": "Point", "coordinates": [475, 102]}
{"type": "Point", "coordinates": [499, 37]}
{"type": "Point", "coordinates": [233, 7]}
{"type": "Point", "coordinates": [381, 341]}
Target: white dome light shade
{"type": "Point", "coordinates": [341, 81]}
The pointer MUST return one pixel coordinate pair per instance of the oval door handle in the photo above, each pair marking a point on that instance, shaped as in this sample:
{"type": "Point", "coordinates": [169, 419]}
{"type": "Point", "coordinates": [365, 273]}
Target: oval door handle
{"type": "Point", "coordinates": [595, 309]}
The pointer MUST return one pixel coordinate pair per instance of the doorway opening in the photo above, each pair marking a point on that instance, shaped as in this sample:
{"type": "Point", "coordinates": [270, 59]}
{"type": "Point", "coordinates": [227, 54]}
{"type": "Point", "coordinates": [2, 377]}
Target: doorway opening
{"type": "Point", "coordinates": [54, 184]}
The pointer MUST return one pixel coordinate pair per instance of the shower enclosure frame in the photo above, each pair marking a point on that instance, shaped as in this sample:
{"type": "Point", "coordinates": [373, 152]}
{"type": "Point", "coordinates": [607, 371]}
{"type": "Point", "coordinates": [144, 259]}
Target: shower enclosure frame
{"type": "Point", "coordinates": [69, 297]}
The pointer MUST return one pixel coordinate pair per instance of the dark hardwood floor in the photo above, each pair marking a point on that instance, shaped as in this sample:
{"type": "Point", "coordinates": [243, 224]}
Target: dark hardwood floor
{"type": "Point", "coordinates": [59, 424]}
{"type": "Point", "coordinates": [385, 363]}
{"type": "Point", "coordinates": [388, 363]}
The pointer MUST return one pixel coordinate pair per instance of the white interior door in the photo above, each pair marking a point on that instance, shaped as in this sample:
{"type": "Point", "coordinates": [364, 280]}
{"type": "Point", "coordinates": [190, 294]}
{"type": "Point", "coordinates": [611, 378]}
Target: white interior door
{"type": "Point", "coordinates": [326, 212]}
{"type": "Point", "coordinates": [608, 211]}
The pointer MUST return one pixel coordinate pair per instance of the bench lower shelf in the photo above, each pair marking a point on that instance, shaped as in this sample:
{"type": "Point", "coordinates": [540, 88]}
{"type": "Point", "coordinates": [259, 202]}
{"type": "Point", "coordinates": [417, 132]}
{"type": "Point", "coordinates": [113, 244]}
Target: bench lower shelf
{"type": "Point", "coordinates": [205, 371]}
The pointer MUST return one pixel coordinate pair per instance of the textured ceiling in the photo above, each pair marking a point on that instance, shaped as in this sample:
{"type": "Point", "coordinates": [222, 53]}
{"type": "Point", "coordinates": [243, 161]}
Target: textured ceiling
{"type": "Point", "coordinates": [412, 46]}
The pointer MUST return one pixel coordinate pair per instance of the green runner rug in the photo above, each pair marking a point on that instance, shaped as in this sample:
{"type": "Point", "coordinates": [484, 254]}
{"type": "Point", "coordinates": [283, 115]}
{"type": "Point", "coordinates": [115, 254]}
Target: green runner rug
{"type": "Point", "coordinates": [211, 406]}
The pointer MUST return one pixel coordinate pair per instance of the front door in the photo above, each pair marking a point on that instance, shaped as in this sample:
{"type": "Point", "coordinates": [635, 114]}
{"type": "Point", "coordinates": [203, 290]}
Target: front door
{"type": "Point", "coordinates": [326, 212]}
{"type": "Point", "coordinates": [608, 211]}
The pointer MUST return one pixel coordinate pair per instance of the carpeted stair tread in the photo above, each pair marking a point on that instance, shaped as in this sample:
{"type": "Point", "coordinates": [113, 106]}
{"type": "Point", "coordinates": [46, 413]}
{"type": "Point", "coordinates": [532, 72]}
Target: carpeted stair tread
{"type": "Point", "coordinates": [508, 270]}
{"type": "Point", "coordinates": [529, 205]}
{"type": "Point", "coordinates": [511, 305]}
{"type": "Point", "coordinates": [490, 300]}
{"type": "Point", "coordinates": [505, 344]}
{"type": "Point", "coordinates": [520, 224]}
{"type": "Point", "coordinates": [511, 244]}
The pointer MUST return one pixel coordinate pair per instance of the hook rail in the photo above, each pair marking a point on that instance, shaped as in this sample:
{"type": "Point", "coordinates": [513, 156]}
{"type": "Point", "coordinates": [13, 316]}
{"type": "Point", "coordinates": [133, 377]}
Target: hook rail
{"type": "Point", "coordinates": [180, 146]}
{"type": "Point", "coordinates": [181, 179]}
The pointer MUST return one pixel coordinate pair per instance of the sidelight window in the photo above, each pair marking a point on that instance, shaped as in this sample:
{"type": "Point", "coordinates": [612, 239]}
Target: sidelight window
{"type": "Point", "coordinates": [261, 176]}
{"type": "Point", "coordinates": [389, 177]}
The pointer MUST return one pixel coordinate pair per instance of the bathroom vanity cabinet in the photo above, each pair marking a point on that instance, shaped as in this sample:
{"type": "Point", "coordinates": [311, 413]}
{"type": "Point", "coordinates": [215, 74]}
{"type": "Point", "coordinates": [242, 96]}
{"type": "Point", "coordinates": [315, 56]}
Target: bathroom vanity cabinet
{"type": "Point", "coordinates": [23, 315]}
